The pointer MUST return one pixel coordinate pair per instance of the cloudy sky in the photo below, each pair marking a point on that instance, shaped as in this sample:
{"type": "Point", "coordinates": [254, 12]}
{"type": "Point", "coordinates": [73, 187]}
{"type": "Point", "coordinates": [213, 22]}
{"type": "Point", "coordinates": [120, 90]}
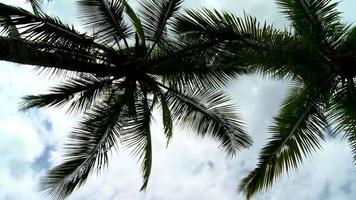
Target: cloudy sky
{"type": "Point", "coordinates": [191, 167]}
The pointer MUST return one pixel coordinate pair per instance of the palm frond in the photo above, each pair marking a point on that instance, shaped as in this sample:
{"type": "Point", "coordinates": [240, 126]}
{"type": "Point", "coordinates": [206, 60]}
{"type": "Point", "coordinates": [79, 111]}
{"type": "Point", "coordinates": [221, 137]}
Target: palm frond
{"type": "Point", "coordinates": [156, 16]}
{"type": "Point", "coordinates": [10, 28]}
{"type": "Point", "coordinates": [36, 6]}
{"type": "Point", "coordinates": [80, 93]}
{"type": "Point", "coordinates": [297, 132]}
{"type": "Point", "coordinates": [190, 65]}
{"type": "Point", "coordinates": [137, 135]}
{"type": "Point", "coordinates": [166, 113]}
{"type": "Point", "coordinates": [106, 19]}
{"type": "Point", "coordinates": [343, 113]}
{"type": "Point", "coordinates": [25, 52]}
{"type": "Point", "coordinates": [349, 44]}
{"type": "Point", "coordinates": [246, 43]}
{"type": "Point", "coordinates": [42, 28]}
{"type": "Point", "coordinates": [87, 150]}
{"type": "Point", "coordinates": [197, 77]}
{"type": "Point", "coordinates": [317, 21]}
{"type": "Point", "coordinates": [208, 113]}
{"type": "Point", "coordinates": [136, 22]}
{"type": "Point", "coordinates": [211, 24]}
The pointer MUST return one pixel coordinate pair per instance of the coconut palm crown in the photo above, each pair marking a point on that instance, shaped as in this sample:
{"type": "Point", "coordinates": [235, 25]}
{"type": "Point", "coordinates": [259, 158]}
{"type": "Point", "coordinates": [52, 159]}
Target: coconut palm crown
{"type": "Point", "coordinates": [116, 74]}
{"type": "Point", "coordinates": [318, 54]}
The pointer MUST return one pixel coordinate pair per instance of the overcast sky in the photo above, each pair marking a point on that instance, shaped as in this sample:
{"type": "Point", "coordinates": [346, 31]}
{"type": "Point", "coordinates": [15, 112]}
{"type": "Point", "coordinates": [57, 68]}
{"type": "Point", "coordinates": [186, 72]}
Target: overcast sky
{"type": "Point", "coordinates": [191, 167]}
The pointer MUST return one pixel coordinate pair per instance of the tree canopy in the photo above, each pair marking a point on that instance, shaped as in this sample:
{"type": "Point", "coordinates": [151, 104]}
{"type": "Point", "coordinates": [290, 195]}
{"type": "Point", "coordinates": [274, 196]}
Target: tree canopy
{"type": "Point", "coordinates": [318, 54]}
{"type": "Point", "coordinates": [115, 77]}
{"type": "Point", "coordinates": [135, 61]}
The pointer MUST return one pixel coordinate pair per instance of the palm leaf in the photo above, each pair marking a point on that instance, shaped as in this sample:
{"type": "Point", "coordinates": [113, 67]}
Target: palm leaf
{"type": "Point", "coordinates": [87, 150]}
{"type": "Point", "coordinates": [349, 44]}
{"type": "Point", "coordinates": [136, 22]}
{"type": "Point", "coordinates": [190, 65]}
{"type": "Point", "coordinates": [317, 21]}
{"type": "Point", "coordinates": [166, 113]}
{"type": "Point", "coordinates": [106, 19]}
{"type": "Point", "coordinates": [137, 135]}
{"type": "Point", "coordinates": [42, 28]}
{"type": "Point", "coordinates": [208, 113]}
{"type": "Point", "coordinates": [247, 44]}
{"type": "Point", "coordinates": [156, 16]}
{"type": "Point", "coordinates": [10, 28]}
{"type": "Point", "coordinates": [297, 131]}
{"type": "Point", "coordinates": [343, 113]}
{"type": "Point", "coordinates": [80, 93]}
{"type": "Point", "coordinates": [36, 6]}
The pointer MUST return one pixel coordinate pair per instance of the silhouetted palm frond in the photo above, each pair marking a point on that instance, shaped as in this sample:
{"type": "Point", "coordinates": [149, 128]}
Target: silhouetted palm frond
{"type": "Point", "coordinates": [87, 149]}
{"type": "Point", "coordinates": [343, 113]}
{"type": "Point", "coordinates": [297, 132]}
{"type": "Point", "coordinates": [208, 113]}
{"type": "Point", "coordinates": [80, 93]}
{"type": "Point", "coordinates": [315, 20]}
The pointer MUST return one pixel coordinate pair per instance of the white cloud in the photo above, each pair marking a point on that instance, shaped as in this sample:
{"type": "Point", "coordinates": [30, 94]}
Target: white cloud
{"type": "Point", "coordinates": [20, 141]}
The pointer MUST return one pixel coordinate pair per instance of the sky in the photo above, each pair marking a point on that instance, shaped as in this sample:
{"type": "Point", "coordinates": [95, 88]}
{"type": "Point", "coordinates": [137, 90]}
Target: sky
{"type": "Point", "coordinates": [31, 142]}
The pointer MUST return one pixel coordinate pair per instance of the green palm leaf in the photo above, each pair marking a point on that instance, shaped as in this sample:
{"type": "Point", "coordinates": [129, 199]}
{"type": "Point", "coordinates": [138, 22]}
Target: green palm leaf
{"type": "Point", "coordinates": [136, 22]}
{"type": "Point", "coordinates": [317, 21]}
{"type": "Point", "coordinates": [349, 43]}
{"type": "Point", "coordinates": [343, 113]}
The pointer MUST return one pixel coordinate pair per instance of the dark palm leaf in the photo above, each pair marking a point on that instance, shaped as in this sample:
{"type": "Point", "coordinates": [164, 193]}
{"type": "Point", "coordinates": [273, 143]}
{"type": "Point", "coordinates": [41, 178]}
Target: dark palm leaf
{"type": "Point", "coordinates": [88, 148]}
{"type": "Point", "coordinates": [156, 17]}
{"type": "Point", "coordinates": [317, 21]}
{"type": "Point", "coordinates": [349, 44]}
{"type": "Point", "coordinates": [208, 113]}
{"type": "Point", "coordinates": [343, 113]}
{"type": "Point", "coordinates": [10, 28]}
{"type": "Point", "coordinates": [137, 135]}
{"type": "Point", "coordinates": [193, 65]}
{"type": "Point", "coordinates": [167, 119]}
{"type": "Point", "coordinates": [80, 93]}
{"type": "Point", "coordinates": [247, 44]}
{"type": "Point", "coordinates": [42, 28]}
{"type": "Point", "coordinates": [106, 19]}
{"type": "Point", "coordinates": [136, 22]}
{"type": "Point", "coordinates": [166, 113]}
{"type": "Point", "coordinates": [296, 133]}
{"type": "Point", "coordinates": [36, 6]}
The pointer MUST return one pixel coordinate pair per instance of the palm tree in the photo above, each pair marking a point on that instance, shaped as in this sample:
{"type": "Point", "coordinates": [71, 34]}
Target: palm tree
{"type": "Point", "coordinates": [318, 54]}
{"type": "Point", "coordinates": [115, 77]}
